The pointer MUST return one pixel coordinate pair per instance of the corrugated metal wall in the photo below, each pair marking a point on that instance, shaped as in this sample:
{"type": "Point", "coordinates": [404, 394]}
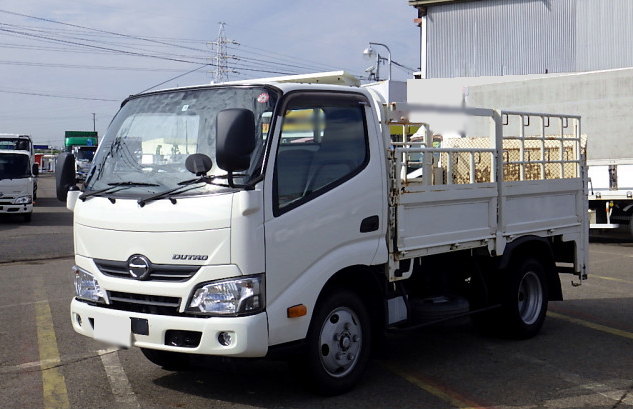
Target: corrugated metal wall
{"type": "Point", "coordinates": [605, 34]}
{"type": "Point", "coordinates": [516, 37]}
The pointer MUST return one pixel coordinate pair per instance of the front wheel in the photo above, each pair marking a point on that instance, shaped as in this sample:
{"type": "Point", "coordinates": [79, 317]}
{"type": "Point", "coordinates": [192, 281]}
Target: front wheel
{"type": "Point", "coordinates": [525, 298]}
{"type": "Point", "coordinates": [338, 343]}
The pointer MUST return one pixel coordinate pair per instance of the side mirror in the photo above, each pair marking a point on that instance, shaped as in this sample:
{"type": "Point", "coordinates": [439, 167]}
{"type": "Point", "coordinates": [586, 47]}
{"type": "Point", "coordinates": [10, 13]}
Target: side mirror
{"type": "Point", "coordinates": [235, 139]}
{"type": "Point", "coordinates": [64, 174]}
{"type": "Point", "coordinates": [36, 169]}
{"type": "Point", "coordinates": [198, 164]}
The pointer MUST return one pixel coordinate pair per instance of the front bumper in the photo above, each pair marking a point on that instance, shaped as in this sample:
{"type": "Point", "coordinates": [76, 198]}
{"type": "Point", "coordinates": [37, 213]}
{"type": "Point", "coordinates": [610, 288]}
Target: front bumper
{"type": "Point", "coordinates": [249, 334]}
{"type": "Point", "coordinates": [16, 209]}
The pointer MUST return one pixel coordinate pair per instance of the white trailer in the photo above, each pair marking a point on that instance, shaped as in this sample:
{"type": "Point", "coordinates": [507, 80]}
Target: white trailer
{"type": "Point", "coordinates": [278, 216]}
{"type": "Point", "coordinates": [604, 101]}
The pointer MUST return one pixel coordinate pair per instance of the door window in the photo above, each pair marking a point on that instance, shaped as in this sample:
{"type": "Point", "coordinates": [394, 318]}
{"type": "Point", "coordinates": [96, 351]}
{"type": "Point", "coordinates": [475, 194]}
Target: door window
{"type": "Point", "coordinates": [322, 144]}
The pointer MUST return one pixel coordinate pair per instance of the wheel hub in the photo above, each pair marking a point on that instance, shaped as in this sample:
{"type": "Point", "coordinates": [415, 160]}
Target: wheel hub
{"type": "Point", "coordinates": [530, 297]}
{"type": "Point", "coordinates": [340, 342]}
{"type": "Point", "coordinates": [346, 342]}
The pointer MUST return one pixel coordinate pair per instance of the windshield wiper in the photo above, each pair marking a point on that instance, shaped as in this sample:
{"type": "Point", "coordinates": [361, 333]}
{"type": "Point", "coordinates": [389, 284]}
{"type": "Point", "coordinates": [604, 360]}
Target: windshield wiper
{"type": "Point", "coordinates": [182, 187]}
{"type": "Point", "coordinates": [185, 186]}
{"type": "Point", "coordinates": [205, 179]}
{"type": "Point", "coordinates": [113, 187]}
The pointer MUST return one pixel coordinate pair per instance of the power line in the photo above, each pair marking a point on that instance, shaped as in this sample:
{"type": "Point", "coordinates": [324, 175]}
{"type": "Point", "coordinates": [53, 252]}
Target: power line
{"type": "Point", "coordinates": [87, 67]}
{"type": "Point", "coordinates": [94, 29]}
{"type": "Point", "coordinates": [176, 77]}
{"type": "Point", "coordinates": [221, 49]}
{"type": "Point", "coordinates": [290, 58]}
{"type": "Point", "coordinates": [408, 69]}
{"type": "Point", "coordinates": [39, 94]}
{"type": "Point", "coordinates": [96, 46]}
{"type": "Point", "coordinates": [87, 39]}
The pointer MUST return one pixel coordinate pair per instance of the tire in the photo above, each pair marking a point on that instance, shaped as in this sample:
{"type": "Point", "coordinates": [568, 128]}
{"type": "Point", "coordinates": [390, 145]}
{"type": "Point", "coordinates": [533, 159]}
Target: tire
{"type": "Point", "coordinates": [27, 217]}
{"type": "Point", "coordinates": [524, 298]}
{"type": "Point", "coordinates": [338, 343]}
{"type": "Point", "coordinates": [167, 359]}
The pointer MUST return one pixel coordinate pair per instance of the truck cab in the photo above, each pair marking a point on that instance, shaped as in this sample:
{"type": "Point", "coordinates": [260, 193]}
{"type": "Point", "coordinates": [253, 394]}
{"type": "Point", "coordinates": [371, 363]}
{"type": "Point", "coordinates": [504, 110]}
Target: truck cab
{"type": "Point", "coordinates": [83, 160]}
{"type": "Point", "coordinates": [83, 145]}
{"type": "Point", "coordinates": [17, 183]}
{"type": "Point", "coordinates": [19, 142]}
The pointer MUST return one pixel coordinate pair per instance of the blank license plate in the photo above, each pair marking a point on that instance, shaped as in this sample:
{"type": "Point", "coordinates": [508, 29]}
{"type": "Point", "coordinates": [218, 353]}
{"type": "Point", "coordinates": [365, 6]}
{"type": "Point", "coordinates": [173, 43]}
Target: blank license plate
{"type": "Point", "coordinates": [114, 330]}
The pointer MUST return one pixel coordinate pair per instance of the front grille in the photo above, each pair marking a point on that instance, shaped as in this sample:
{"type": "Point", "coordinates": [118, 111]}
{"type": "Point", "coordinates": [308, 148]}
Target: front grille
{"type": "Point", "coordinates": [157, 272]}
{"type": "Point", "coordinates": [143, 303]}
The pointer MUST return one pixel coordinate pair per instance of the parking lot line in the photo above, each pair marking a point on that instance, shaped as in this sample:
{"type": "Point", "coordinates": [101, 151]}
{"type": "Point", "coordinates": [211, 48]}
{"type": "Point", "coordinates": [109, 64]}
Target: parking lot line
{"type": "Point", "coordinates": [611, 253]}
{"type": "Point", "coordinates": [54, 389]}
{"type": "Point", "coordinates": [592, 325]}
{"type": "Point", "coordinates": [619, 280]}
{"type": "Point", "coordinates": [119, 383]}
{"type": "Point", "coordinates": [613, 389]}
{"type": "Point", "coordinates": [439, 391]}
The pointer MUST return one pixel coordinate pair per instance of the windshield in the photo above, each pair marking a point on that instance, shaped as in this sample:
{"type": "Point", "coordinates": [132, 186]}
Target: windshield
{"type": "Point", "coordinates": [14, 166]}
{"type": "Point", "coordinates": [19, 144]}
{"type": "Point", "coordinates": [150, 138]}
{"type": "Point", "coordinates": [85, 154]}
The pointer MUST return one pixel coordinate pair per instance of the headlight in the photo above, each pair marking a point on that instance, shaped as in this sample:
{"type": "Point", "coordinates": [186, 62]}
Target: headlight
{"type": "Point", "coordinates": [238, 296]}
{"type": "Point", "coordinates": [87, 287]}
{"type": "Point", "coordinates": [23, 200]}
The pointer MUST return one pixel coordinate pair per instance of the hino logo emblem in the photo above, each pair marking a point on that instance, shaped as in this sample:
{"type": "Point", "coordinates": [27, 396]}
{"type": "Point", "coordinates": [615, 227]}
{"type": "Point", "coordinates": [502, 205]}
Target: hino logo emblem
{"type": "Point", "coordinates": [138, 266]}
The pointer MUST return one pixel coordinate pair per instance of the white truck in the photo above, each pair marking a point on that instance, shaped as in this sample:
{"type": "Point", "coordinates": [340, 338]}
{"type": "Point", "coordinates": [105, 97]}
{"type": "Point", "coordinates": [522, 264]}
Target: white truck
{"type": "Point", "coordinates": [279, 216]}
{"type": "Point", "coordinates": [604, 101]}
{"type": "Point", "coordinates": [17, 183]}
{"type": "Point", "coordinates": [21, 142]}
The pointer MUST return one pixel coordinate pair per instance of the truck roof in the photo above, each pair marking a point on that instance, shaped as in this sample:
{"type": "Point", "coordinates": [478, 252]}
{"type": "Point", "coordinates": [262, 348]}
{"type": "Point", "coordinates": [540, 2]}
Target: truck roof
{"type": "Point", "coordinates": [323, 78]}
{"type": "Point", "coordinates": [14, 135]}
{"type": "Point", "coordinates": [332, 81]}
{"type": "Point", "coordinates": [14, 152]}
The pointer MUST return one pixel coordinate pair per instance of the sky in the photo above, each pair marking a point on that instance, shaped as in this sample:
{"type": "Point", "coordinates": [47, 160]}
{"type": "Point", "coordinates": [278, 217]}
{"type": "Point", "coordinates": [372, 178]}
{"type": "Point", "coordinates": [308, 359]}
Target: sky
{"type": "Point", "coordinates": [67, 65]}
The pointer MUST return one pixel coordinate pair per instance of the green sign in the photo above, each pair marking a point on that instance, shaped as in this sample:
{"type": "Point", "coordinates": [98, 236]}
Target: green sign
{"type": "Point", "coordinates": [81, 138]}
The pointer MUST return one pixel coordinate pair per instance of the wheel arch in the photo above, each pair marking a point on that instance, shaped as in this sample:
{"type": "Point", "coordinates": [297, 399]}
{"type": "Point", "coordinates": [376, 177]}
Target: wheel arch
{"type": "Point", "coordinates": [541, 249]}
{"type": "Point", "coordinates": [367, 284]}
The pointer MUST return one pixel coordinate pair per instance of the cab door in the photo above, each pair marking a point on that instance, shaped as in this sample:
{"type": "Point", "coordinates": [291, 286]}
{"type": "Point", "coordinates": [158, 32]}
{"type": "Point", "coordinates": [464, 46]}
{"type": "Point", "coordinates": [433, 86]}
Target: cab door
{"type": "Point", "coordinates": [325, 204]}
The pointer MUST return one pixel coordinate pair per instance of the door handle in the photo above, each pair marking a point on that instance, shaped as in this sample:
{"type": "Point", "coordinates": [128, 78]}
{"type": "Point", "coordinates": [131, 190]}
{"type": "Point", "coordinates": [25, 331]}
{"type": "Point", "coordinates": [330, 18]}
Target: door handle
{"type": "Point", "coordinates": [369, 224]}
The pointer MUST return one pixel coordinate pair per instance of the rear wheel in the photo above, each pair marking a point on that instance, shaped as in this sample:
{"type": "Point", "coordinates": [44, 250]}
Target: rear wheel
{"type": "Point", "coordinates": [338, 343]}
{"type": "Point", "coordinates": [525, 299]}
{"type": "Point", "coordinates": [522, 292]}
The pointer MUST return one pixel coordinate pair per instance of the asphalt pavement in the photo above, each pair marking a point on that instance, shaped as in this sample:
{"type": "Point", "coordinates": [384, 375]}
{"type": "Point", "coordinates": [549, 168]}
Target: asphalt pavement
{"type": "Point", "coordinates": [47, 236]}
{"type": "Point", "coordinates": [583, 358]}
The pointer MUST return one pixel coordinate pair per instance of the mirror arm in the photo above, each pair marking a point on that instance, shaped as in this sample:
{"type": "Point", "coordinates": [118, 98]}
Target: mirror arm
{"type": "Point", "coordinates": [248, 186]}
{"type": "Point", "coordinates": [229, 178]}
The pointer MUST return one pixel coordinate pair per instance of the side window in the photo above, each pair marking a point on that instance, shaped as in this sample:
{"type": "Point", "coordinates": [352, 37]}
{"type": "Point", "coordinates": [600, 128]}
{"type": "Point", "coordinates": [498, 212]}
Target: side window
{"type": "Point", "coordinates": [321, 146]}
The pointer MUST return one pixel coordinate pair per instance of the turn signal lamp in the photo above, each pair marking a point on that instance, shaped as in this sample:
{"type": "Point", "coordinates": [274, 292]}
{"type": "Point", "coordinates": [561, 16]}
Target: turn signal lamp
{"type": "Point", "coordinates": [297, 311]}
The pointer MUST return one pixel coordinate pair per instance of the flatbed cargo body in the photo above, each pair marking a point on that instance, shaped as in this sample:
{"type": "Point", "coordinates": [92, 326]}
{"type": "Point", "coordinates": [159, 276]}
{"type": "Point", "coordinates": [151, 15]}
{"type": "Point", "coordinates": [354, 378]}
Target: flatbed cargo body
{"type": "Point", "coordinates": [604, 101]}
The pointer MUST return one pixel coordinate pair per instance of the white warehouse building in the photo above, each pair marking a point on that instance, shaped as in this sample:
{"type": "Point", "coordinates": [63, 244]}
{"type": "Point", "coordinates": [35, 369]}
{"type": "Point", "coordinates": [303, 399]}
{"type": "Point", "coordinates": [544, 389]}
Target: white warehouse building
{"type": "Point", "coordinates": [552, 56]}
{"type": "Point", "coordinates": [518, 37]}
